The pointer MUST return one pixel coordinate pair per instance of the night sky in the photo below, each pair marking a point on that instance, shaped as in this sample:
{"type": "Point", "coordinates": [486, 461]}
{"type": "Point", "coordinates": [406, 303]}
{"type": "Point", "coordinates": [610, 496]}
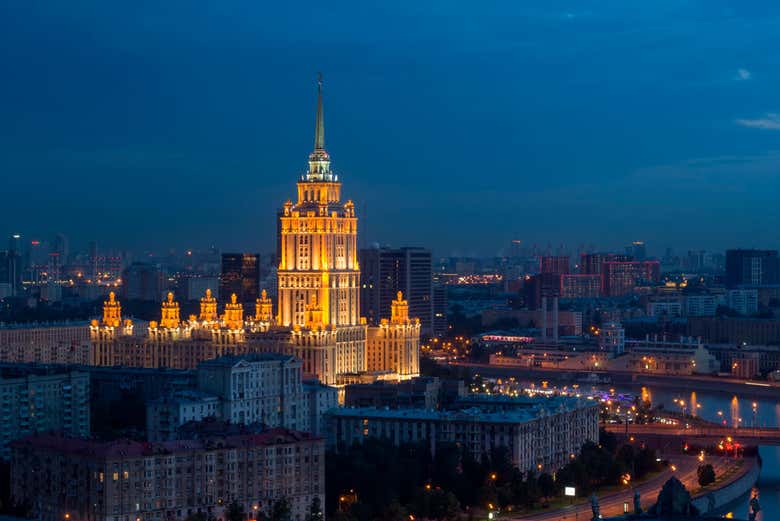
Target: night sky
{"type": "Point", "coordinates": [454, 125]}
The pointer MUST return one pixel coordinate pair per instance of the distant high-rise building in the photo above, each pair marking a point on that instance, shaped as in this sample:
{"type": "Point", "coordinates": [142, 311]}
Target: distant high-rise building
{"type": "Point", "coordinates": [240, 275]}
{"type": "Point", "coordinates": [60, 246]}
{"type": "Point", "coordinates": [590, 263]}
{"type": "Point", "coordinates": [637, 250]}
{"type": "Point", "coordinates": [11, 270]}
{"type": "Point", "coordinates": [558, 264]}
{"type": "Point", "coordinates": [142, 281]}
{"type": "Point", "coordinates": [439, 307]}
{"type": "Point", "coordinates": [92, 269]}
{"type": "Point", "coordinates": [752, 268]}
{"type": "Point", "coordinates": [695, 260]}
{"type": "Point", "coordinates": [385, 272]}
{"type": "Point", "coordinates": [540, 286]}
{"type": "Point", "coordinates": [620, 278]}
{"type": "Point", "coordinates": [580, 285]}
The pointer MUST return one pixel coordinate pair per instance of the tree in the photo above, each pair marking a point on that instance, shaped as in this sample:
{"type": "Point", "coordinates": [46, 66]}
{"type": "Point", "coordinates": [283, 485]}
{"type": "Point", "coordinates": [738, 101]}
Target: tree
{"type": "Point", "coordinates": [235, 512]}
{"type": "Point", "coordinates": [281, 511]}
{"type": "Point", "coordinates": [546, 485]}
{"type": "Point", "coordinates": [315, 510]}
{"type": "Point", "coordinates": [706, 474]}
{"type": "Point", "coordinates": [394, 512]}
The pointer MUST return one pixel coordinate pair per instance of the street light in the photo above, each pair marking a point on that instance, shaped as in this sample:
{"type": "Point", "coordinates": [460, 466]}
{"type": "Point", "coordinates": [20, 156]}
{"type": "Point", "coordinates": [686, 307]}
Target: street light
{"type": "Point", "coordinates": [755, 410]}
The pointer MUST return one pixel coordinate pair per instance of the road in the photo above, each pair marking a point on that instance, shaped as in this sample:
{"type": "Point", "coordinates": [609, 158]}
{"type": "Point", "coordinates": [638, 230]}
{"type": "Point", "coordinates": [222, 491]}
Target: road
{"type": "Point", "coordinates": [612, 504]}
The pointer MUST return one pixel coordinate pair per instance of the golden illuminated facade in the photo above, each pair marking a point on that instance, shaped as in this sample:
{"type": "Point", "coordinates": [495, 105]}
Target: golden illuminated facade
{"type": "Point", "coordinates": [318, 318]}
{"type": "Point", "coordinates": [318, 267]}
{"type": "Point", "coordinates": [394, 345]}
{"type": "Point", "coordinates": [318, 275]}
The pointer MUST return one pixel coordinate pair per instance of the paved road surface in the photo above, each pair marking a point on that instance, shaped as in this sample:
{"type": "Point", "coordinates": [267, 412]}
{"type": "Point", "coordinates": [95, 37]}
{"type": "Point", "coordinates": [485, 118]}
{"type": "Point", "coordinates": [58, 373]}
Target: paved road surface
{"type": "Point", "coordinates": [612, 504]}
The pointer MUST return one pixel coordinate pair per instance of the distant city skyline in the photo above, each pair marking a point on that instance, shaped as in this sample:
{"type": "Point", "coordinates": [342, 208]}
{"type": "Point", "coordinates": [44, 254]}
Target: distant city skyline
{"type": "Point", "coordinates": [125, 128]}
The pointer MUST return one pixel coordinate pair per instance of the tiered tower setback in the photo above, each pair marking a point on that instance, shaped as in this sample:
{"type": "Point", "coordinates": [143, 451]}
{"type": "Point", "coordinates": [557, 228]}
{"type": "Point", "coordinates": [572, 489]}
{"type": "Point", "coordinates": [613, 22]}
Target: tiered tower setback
{"type": "Point", "coordinates": [318, 308]}
{"type": "Point", "coordinates": [318, 268]}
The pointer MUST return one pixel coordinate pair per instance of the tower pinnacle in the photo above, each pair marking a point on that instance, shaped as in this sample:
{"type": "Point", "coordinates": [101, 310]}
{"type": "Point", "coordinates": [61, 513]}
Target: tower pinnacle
{"type": "Point", "coordinates": [319, 123]}
{"type": "Point", "coordinates": [319, 160]}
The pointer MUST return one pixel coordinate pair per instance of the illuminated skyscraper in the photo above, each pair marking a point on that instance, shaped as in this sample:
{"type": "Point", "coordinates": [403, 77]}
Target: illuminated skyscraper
{"type": "Point", "coordinates": [318, 271]}
{"type": "Point", "coordinates": [318, 308]}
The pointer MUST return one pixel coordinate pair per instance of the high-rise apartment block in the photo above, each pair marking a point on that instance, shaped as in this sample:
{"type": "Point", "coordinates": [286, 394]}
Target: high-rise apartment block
{"type": "Point", "coordinates": [42, 399]}
{"type": "Point", "coordinates": [590, 263]}
{"type": "Point", "coordinates": [557, 264]}
{"type": "Point", "coordinates": [142, 281]}
{"type": "Point", "coordinates": [240, 276]}
{"type": "Point", "coordinates": [576, 285]}
{"type": "Point", "coordinates": [752, 268]}
{"type": "Point", "coordinates": [385, 272]}
{"type": "Point", "coordinates": [620, 278]}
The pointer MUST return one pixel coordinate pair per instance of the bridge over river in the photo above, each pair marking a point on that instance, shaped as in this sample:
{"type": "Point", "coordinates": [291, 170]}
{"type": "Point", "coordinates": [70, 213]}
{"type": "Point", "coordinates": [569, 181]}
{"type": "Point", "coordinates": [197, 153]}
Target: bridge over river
{"type": "Point", "coordinates": [704, 433]}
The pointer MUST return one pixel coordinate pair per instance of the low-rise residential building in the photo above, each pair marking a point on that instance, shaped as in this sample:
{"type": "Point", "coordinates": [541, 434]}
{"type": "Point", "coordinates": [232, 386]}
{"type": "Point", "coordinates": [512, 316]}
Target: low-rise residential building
{"type": "Point", "coordinates": [318, 399]}
{"type": "Point", "coordinates": [419, 393]}
{"type": "Point", "coordinates": [35, 398]}
{"type": "Point", "coordinates": [166, 414]}
{"type": "Point", "coordinates": [260, 387]}
{"type": "Point", "coordinates": [67, 478]}
{"type": "Point", "coordinates": [540, 436]}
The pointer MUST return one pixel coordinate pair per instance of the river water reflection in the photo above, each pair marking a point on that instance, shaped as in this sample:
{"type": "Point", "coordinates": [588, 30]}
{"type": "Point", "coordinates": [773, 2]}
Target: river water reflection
{"type": "Point", "coordinates": [741, 412]}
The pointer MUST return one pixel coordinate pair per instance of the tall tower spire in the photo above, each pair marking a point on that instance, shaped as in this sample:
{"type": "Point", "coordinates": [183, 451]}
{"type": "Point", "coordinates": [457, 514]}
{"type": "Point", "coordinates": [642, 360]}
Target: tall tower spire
{"type": "Point", "coordinates": [319, 123]}
{"type": "Point", "coordinates": [319, 160]}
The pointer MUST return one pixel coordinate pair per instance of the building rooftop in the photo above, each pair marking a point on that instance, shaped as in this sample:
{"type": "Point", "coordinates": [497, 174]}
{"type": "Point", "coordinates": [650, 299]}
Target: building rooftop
{"type": "Point", "coordinates": [231, 360]}
{"type": "Point", "coordinates": [10, 370]}
{"type": "Point", "coordinates": [39, 325]}
{"type": "Point", "coordinates": [531, 412]}
{"type": "Point", "coordinates": [129, 449]}
{"type": "Point", "coordinates": [185, 396]}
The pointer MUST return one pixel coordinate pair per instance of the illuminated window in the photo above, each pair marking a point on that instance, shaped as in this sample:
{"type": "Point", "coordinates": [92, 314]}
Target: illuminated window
{"type": "Point", "coordinates": [116, 476]}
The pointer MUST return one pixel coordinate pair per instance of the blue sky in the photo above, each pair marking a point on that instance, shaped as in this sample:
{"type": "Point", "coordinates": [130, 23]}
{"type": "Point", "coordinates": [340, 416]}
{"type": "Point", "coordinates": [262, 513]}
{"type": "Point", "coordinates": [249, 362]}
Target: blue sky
{"type": "Point", "coordinates": [454, 125]}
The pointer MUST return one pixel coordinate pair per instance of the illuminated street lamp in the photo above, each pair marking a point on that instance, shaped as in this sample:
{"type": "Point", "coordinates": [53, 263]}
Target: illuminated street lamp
{"type": "Point", "coordinates": [755, 410]}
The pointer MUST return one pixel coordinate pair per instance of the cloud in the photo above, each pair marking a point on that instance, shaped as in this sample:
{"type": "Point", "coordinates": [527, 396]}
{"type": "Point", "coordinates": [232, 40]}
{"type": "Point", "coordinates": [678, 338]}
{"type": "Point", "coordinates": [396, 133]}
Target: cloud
{"type": "Point", "coordinates": [743, 75]}
{"type": "Point", "coordinates": [771, 121]}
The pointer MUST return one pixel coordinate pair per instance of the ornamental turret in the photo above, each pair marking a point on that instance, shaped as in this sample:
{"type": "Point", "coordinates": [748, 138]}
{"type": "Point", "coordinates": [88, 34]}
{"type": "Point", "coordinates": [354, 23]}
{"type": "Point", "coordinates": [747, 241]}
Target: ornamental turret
{"type": "Point", "coordinates": [208, 308]}
{"type": "Point", "coordinates": [234, 313]}
{"type": "Point", "coordinates": [170, 313]}
{"type": "Point", "coordinates": [112, 311]}
{"type": "Point", "coordinates": [399, 310]}
{"type": "Point", "coordinates": [263, 308]}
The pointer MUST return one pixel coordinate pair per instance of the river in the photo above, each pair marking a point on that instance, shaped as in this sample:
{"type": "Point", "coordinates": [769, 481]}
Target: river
{"type": "Point", "coordinates": [767, 414]}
